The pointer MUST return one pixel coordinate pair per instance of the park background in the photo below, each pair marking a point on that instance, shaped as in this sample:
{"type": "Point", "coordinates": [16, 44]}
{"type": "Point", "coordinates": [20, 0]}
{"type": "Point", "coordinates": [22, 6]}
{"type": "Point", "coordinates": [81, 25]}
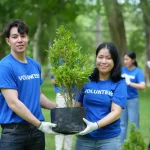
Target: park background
{"type": "Point", "coordinates": [123, 22]}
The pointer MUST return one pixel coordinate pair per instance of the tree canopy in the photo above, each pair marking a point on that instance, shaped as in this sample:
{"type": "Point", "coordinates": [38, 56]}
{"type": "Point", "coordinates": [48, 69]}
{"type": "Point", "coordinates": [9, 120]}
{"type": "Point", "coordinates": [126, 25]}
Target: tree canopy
{"type": "Point", "coordinates": [125, 23]}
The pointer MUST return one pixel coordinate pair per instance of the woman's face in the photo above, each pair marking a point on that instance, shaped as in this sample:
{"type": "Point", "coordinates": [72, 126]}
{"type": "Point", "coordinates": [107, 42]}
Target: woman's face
{"type": "Point", "coordinates": [104, 62]}
{"type": "Point", "coordinates": [128, 62]}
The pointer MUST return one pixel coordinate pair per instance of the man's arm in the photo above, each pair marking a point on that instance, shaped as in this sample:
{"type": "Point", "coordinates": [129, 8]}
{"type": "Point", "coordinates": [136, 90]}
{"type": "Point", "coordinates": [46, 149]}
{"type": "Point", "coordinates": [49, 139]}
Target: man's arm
{"type": "Point", "coordinates": [46, 103]}
{"type": "Point", "coordinates": [21, 110]}
{"type": "Point", "coordinates": [11, 97]}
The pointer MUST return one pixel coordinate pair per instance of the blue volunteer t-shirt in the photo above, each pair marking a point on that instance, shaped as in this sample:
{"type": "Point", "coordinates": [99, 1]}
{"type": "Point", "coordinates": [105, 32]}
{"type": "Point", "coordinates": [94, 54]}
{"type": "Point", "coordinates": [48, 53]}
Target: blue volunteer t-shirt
{"type": "Point", "coordinates": [97, 98]}
{"type": "Point", "coordinates": [56, 87]}
{"type": "Point", "coordinates": [26, 79]}
{"type": "Point", "coordinates": [136, 75]}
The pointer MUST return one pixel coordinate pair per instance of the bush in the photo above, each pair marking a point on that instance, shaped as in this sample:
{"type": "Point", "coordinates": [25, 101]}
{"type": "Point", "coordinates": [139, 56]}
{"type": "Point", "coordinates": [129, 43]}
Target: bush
{"type": "Point", "coordinates": [135, 140]}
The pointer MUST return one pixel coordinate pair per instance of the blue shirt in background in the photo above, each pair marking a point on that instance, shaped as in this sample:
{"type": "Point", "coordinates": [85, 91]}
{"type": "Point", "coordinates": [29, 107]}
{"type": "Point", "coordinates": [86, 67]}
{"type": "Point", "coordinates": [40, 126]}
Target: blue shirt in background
{"type": "Point", "coordinates": [56, 87]}
{"type": "Point", "coordinates": [136, 75]}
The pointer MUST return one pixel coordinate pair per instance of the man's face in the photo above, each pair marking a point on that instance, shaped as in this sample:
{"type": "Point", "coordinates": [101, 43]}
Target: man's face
{"type": "Point", "coordinates": [18, 42]}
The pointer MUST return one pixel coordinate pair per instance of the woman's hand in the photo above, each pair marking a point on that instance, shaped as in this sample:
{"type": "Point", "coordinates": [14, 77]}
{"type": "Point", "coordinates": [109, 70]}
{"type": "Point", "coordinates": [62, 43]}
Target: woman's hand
{"type": "Point", "coordinates": [91, 126]}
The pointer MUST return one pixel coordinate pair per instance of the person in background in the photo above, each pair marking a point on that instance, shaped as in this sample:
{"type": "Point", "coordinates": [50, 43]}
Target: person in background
{"type": "Point", "coordinates": [104, 97]}
{"type": "Point", "coordinates": [135, 81]}
{"type": "Point", "coordinates": [61, 139]}
{"type": "Point", "coordinates": [21, 98]}
{"type": "Point", "coordinates": [148, 64]}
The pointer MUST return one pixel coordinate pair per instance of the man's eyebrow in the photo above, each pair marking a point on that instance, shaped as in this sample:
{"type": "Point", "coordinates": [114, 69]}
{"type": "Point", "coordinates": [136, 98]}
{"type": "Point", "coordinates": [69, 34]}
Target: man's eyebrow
{"type": "Point", "coordinates": [14, 34]}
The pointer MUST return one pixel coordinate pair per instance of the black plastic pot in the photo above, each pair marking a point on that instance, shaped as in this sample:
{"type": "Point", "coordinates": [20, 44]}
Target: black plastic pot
{"type": "Point", "coordinates": [68, 120]}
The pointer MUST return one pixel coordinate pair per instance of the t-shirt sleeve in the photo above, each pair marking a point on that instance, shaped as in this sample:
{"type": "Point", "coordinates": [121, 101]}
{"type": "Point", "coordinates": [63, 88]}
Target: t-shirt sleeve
{"type": "Point", "coordinates": [120, 94]}
{"type": "Point", "coordinates": [39, 67]}
{"type": "Point", "coordinates": [81, 95]}
{"type": "Point", "coordinates": [140, 76]}
{"type": "Point", "coordinates": [7, 78]}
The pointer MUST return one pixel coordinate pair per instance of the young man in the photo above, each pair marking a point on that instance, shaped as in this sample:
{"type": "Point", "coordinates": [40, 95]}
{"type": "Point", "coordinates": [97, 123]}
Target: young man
{"type": "Point", "coordinates": [21, 99]}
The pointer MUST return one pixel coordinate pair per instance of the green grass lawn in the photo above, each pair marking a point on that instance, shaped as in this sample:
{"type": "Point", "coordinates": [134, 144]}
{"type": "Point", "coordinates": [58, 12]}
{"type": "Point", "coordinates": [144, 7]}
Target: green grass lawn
{"type": "Point", "coordinates": [48, 90]}
{"type": "Point", "coordinates": [145, 114]}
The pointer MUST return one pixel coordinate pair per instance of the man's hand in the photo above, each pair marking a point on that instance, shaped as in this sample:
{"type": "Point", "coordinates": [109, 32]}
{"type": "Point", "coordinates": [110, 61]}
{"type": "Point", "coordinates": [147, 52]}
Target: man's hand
{"type": "Point", "coordinates": [90, 127]}
{"type": "Point", "coordinates": [46, 127]}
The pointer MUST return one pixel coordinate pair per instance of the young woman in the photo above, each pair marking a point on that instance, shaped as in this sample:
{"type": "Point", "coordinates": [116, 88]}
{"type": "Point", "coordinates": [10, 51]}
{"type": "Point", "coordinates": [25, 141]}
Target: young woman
{"type": "Point", "coordinates": [104, 97]}
{"type": "Point", "coordinates": [135, 81]}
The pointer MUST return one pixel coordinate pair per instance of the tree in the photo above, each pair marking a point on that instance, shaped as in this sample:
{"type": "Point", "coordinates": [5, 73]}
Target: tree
{"type": "Point", "coordinates": [43, 18]}
{"type": "Point", "coordinates": [116, 24]}
{"type": "Point", "coordinates": [145, 6]}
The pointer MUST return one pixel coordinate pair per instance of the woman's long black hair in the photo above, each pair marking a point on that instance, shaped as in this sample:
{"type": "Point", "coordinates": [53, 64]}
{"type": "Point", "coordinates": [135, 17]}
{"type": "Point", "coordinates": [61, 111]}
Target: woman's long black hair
{"type": "Point", "coordinates": [132, 55]}
{"type": "Point", "coordinates": [115, 74]}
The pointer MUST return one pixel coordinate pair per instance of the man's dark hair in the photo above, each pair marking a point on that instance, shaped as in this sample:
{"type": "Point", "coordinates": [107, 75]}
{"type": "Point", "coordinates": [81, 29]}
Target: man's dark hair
{"type": "Point", "coordinates": [115, 74]}
{"type": "Point", "coordinates": [22, 27]}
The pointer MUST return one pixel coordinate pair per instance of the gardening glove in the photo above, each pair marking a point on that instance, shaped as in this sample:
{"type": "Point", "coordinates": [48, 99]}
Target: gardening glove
{"type": "Point", "coordinates": [123, 75]}
{"type": "Point", "coordinates": [90, 127]}
{"type": "Point", "coordinates": [127, 79]}
{"type": "Point", "coordinates": [46, 127]}
{"type": "Point", "coordinates": [148, 64]}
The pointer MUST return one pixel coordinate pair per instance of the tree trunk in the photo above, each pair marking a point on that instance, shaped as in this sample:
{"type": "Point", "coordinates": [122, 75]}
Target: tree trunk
{"type": "Point", "coordinates": [98, 30]}
{"type": "Point", "coordinates": [98, 25]}
{"type": "Point", "coordinates": [36, 42]}
{"type": "Point", "coordinates": [116, 25]}
{"type": "Point", "coordinates": [145, 6]}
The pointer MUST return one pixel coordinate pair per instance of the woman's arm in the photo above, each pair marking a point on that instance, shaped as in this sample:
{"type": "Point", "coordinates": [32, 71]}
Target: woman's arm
{"type": "Point", "coordinates": [140, 86]}
{"type": "Point", "coordinates": [112, 116]}
{"type": "Point", "coordinates": [77, 104]}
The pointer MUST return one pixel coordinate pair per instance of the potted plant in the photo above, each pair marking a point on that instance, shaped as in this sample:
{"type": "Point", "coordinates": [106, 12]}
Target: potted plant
{"type": "Point", "coordinates": [71, 74]}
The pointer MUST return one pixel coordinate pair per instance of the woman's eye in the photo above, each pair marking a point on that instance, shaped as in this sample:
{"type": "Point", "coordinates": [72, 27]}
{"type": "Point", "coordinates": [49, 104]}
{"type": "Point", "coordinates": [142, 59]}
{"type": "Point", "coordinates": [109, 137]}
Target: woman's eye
{"type": "Point", "coordinates": [14, 37]}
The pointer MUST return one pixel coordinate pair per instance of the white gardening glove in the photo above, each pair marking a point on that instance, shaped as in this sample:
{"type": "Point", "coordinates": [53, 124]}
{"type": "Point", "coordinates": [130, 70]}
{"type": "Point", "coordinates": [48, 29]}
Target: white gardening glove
{"type": "Point", "coordinates": [127, 80]}
{"type": "Point", "coordinates": [148, 64]}
{"type": "Point", "coordinates": [90, 127]}
{"type": "Point", "coordinates": [123, 75]}
{"type": "Point", "coordinates": [46, 127]}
